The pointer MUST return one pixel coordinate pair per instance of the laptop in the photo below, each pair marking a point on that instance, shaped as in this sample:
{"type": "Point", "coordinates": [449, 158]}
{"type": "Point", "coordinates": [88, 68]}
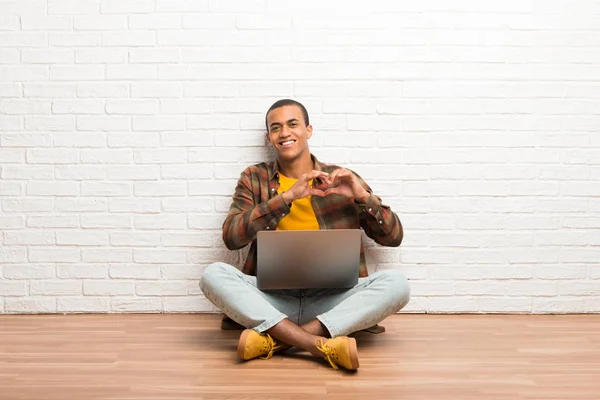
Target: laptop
{"type": "Point", "coordinates": [308, 259]}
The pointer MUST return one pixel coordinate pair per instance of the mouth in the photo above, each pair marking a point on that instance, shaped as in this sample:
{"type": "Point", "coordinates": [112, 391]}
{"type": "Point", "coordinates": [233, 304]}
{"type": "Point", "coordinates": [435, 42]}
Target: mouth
{"type": "Point", "coordinates": [287, 143]}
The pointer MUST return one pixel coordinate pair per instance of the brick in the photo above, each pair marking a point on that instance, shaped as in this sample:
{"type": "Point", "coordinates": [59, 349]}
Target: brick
{"type": "Point", "coordinates": [185, 106]}
{"type": "Point", "coordinates": [156, 89]}
{"type": "Point", "coordinates": [127, 7]}
{"type": "Point", "coordinates": [13, 288]}
{"type": "Point", "coordinates": [9, 23]}
{"type": "Point", "coordinates": [53, 221]}
{"type": "Point", "coordinates": [80, 204]}
{"type": "Point", "coordinates": [10, 56]}
{"type": "Point", "coordinates": [187, 172]}
{"type": "Point", "coordinates": [179, 272]}
{"type": "Point", "coordinates": [161, 123]}
{"type": "Point", "coordinates": [49, 90]}
{"type": "Point", "coordinates": [133, 173]}
{"type": "Point", "coordinates": [106, 255]}
{"type": "Point", "coordinates": [13, 255]}
{"type": "Point", "coordinates": [161, 288]}
{"type": "Point", "coordinates": [26, 205]}
{"type": "Point", "coordinates": [11, 222]}
{"type": "Point", "coordinates": [163, 156]}
{"type": "Point", "coordinates": [135, 239]}
{"type": "Point", "coordinates": [558, 305]}
{"type": "Point", "coordinates": [131, 72]}
{"type": "Point", "coordinates": [54, 254]}
{"type": "Point", "coordinates": [103, 123]}
{"type": "Point", "coordinates": [102, 90]}
{"type": "Point", "coordinates": [190, 204]}
{"type": "Point", "coordinates": [158, 21]}
{"type": "Point", "coordinates": [30, 305]}
{"type": "Point", "coordinates": [181, 5]}
{"type": "Point", "coordinates": [187, 139]}
{"type": "Point", "coordinates": [160, 189]}
{"type": "Point", "coordinates": [81, 238]}
{"type": "Point", "coordinates": [11, 189]}
{"type": "Point", "coordinates": [29, 238]}
{"type": "Point", "coordinates": [80, 72]}
{"type": "Point", "coordinates": [110, 156]}
{"type": "Point", "coordinates": [45, 23]}
{"type": "Point", "coordinates": [137, 272]}
{"type": "Point", "coordinates": [12, 155]}
{"type": "Point", "coordinates": [76, 7]}
{"type": "Point", "coordinates": [24, 107]}
{"type": "Point", "coordinates": [22, 39]}
{"type": "Point", "coordinates": [82, 271]}
{"type": "Point", "coordinates": [99, 23]}
{"type": "Point", "coordinates": [153, 56]}
{"type": "Point", "coordinates": [82, 304]}
{"type": "Point", "coordinates": [162, 221]}
{"type": "Point", "coordinates": [80, 172]}
{"type": "Point", "coordinates": [9, 89]}
{"type": "Point", "coordinates": [133, 139]}
{"type": "Point", "coordinates": [131, 107]}
{"type": "Point", "coordinates": [129, 39]}
{"type": "Point", "coordinates": [54, 123]}
{"type": "Point", "coordinates": [80, 106]}
{"type": "Point", "coordinates": [136, 206]}
{"type": "Point", "coordinates": [105, 189]}
{"type": "Point", "coordinates": [212, 21]}
{"type": "Point", "coordinates": [105, 221]}
{"type": "Point", "coordinates": [159, 256]}
{"type": "Point", "coordinates": [108, 288]}
{"type": "Point", "coordinates": [29, 271]}
{"type": "Point", "coordinates": [74, 39]}
{"type": "Point", "coordinates": [55, 188]}
{"type": "Point", "coordinates": [27, 140]}
{"type": "Point", "coordinates": [56, 288]}
{"type": "Point", "coordinates": [191, 239]}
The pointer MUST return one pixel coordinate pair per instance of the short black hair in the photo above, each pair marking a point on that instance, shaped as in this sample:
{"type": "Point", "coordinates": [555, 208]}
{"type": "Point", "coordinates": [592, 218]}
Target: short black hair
{"type": "Point", "coordinates": [287, 102]}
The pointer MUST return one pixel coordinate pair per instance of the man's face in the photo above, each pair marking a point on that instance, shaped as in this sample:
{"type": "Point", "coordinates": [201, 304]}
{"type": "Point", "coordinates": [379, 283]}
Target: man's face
{"type": "Point", "coordinates": [287, 132]}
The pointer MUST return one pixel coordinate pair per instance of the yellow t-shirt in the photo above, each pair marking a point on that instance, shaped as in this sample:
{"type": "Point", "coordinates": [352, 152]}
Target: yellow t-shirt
{"type": "Point", "coordinates": [302, 215]}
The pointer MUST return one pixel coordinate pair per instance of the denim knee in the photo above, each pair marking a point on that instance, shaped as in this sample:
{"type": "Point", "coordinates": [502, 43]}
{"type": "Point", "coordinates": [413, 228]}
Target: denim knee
{"type": "Point", "coordinates": [211, 275]}
{"type": "Point", "coordinates": [399, 289]}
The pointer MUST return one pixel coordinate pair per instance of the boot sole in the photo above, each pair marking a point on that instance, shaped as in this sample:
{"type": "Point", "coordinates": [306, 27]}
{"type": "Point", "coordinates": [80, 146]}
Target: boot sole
{"type": "Point", "coordinates": [242, 344]}
{"type": "Point", "coordinates": [353, 353]}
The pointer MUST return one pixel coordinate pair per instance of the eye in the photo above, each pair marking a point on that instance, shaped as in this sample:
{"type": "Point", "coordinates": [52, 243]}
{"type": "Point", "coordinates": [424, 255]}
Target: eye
{"type": "Point", "coordinates": [293, 124]}
{"type": "Point", "coordinates": [275, 129]}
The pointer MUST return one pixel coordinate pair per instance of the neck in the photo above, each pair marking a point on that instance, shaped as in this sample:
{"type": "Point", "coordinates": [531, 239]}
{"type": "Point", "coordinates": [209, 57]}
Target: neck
{"type": "Point", "coordinates": [297, 167]}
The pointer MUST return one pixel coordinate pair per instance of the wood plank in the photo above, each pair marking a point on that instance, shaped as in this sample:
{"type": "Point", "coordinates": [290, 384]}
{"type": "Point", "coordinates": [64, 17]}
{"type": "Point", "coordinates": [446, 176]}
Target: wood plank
{"type": "Point", "coordinates": [187, 356]}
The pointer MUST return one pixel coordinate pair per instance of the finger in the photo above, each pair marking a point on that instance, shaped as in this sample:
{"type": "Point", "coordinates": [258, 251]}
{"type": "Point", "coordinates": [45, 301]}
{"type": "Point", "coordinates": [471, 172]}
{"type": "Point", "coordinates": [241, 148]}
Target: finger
{"type": "Point", "coordinates": [334, 190]}
{"type": "Point", "coordinates": [315, 174]}
{"type": "Point", "coordinates": [317, 192]}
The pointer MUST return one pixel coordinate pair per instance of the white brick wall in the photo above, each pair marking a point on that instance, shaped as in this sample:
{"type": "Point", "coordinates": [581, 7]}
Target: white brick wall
{"type": "Point", "coordinates": [124, 125]}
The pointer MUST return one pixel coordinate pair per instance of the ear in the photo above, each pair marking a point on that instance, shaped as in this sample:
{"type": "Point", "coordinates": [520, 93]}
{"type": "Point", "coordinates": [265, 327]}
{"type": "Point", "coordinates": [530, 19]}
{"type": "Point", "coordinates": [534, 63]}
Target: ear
{"type": "Point", "coordinates": [309, 131]}
{"type": "Point", "coordinates": [267, 137]}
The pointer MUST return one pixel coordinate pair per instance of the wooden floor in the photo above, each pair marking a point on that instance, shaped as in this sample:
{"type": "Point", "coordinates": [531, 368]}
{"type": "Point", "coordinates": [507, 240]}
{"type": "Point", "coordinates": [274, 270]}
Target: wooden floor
{"type": "Point", "coordinates": [173, 357]}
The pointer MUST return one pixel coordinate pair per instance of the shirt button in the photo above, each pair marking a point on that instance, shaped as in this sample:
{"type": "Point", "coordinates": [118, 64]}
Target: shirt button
{"type": "Point", "coordinates": [283, 215]}
{"type": "Point", "coordinates": [268, 228]}
{"type": "Point", "coordinates": [380, 222]}
{"type": "Point", "coordinates": [272, 189]}
{"type": "Point", "coordinates": [370, 209]}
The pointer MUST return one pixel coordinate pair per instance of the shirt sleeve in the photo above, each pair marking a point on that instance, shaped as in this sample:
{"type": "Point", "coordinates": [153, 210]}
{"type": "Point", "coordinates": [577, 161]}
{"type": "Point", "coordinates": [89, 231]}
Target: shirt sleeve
{"type": "Point", "coordinates": [378, 221]}
{"type": "Point", "coordinates": [247, 215]}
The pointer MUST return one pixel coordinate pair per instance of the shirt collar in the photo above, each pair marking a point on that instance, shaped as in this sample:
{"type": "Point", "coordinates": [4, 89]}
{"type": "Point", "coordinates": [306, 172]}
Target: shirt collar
{"type": "Point", "coordinates": [275, 170]}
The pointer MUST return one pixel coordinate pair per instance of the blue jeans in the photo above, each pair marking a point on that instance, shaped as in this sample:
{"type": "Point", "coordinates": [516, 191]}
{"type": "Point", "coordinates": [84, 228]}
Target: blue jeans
{"type": "Point", "coordinates": [341, 311]}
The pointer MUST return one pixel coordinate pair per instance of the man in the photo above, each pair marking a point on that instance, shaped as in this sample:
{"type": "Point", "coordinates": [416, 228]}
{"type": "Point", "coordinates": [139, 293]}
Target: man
{"type": "Point", "coordinates": [299, 192]}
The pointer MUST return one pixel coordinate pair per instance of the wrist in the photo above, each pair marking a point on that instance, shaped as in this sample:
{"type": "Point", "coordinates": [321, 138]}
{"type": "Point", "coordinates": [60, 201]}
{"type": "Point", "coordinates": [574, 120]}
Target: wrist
{"type": "Point", "coordinates": [287, 198]}
{"type": "Point", "coordinates": [363, 198]}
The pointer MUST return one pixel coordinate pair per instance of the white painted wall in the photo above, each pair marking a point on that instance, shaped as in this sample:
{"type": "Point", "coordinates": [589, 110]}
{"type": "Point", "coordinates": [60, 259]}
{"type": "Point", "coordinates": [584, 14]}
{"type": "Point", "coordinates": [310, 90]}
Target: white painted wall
{"type": "Point", "coordinates": [124, 126]}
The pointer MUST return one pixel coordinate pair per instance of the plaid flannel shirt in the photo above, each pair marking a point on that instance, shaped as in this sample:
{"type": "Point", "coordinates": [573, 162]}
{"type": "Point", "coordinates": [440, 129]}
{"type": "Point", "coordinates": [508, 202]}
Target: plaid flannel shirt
{"type": "Point", "coordinates": [256, 206]}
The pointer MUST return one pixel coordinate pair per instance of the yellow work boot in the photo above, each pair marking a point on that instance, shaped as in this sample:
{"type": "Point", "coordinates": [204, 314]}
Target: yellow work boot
{"type": "Point", "coordinates": [340, 351]}
{"type": "Point", "coordinates": [252, 344]}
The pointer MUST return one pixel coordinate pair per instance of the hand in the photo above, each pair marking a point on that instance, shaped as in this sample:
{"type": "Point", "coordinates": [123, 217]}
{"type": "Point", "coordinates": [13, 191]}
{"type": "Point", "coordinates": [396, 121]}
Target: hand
{"type": "Point", "coordinates": [302, 189]}
{"type": "Point", "coordinates": [345, 183]}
